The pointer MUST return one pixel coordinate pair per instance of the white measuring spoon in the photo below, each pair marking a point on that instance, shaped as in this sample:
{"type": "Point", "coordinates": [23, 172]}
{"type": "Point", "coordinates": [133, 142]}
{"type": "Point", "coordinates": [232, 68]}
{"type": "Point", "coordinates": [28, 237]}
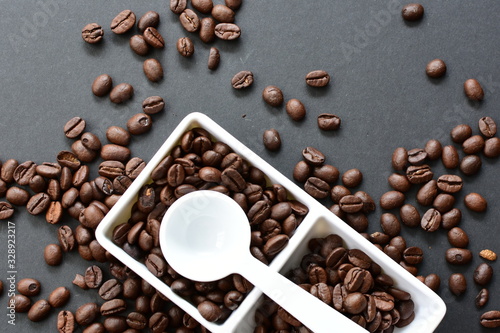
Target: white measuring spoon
{"type": "Point", "coordinates": [205, 236]}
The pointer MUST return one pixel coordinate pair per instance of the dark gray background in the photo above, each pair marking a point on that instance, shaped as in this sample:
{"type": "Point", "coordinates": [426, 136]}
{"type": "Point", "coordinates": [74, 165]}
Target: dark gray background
{"type": "Point", "coordinates": [378, 88]}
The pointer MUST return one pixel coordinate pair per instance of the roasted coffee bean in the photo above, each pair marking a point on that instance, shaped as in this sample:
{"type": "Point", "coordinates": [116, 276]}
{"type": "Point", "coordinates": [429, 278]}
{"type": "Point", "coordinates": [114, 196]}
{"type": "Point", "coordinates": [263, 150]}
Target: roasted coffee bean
{"type": "Point", "coordinates": [93, 277]}
{"type": "Point", "coordinates": [313, 156]}
{"type": "Point", "coordinates": [8, 169]}
{"type": "Point", "coordinates": [488, 127]}
{"type": "Point", "coordinates": [435, 68]}
{"type": "Point", "coordinates": [203, 6]}
{"type": "Point", "coordinates": [301, 171]}
{"type": "Point", "coordinates": [65, 322]}
{"type": "Point", "coordinates": [38, 204]}
{"type": "Point", "coordinates": [318, 188]}
{"type": "Point", "coordinates": [178, 6]}
{"type": "Point", "coordinates": [460, 133]}
{"type": "Point", "coordinates": [275, 245]}
{"type": "Point", "coordinates": [399, 158]}
{"type": "Point", "coordinates": [223, 14]}
{"type": "Point", "coordinates": [22, 303]}
{"type": "Point", "coordinates": [68, 160]}
{"type": "Point", "coordinates": [92, 33]}
{"type": "Point", "coordinates": [434, 149]}
{"type": "Point", "coordinates": [37, 184]}
{"type": "Point", "coordinates": [24, 172]}
{"type": "Point", "coordinates": [470, 165]}
{"type": "Point", "coordinates": [137, 320]}
{"type": "Point", "coordinates": [133, 168]}
{"type": "Point", "coordinates": [102, 85]}
{"type": "Point", "coordinates": [207, 30]}
{"type": "Point", "coordinates": [399, 182]}
{"type": "Point", "coordinates": [154, 39]}
{"type": "Point", "coordinates": [233, 180]}
{"type": "Point", "coordinates": [233, 4]}
{"type": "Point", "coordinates": [431, 220]}
{"type": "Point", "coordinates": [227, 31]}
{"type": "Point", "coordinates": [482, 298]}
{"type": "Point", "coordinates": [139, 45]}
{"type": "Point", "coordinates": [79, 281]}
{"type": "Point", "coordinates": [53, 255]}
{"type": "Point", "coordinates": [412, 12]}
{"type": "Point", "coordinates": [39, 310]}
{"type": "Point", "coordinates": [17, 196]}
{"type": "Point", "coordinates": [317, 78]}
{"type": "Point", "coordinates": [213, 58]}
{"type": "Point", "coordinates": [457, 284]}
{"type": "Point", "coordinates": [352, 178]}
{"type": "Point", "coordinates": [473, 90]}
{"type": "Point", "coordinates": [185, 46]}
{"type": "Point", "coordinates": [90, 141]}
{"type": "Point", "coordinates": [419, 174]}
{"type": "Point", "coordinates": [243, 79]}
{"type": "Point", "coordinates": [189, 20]}
{"type": "Point", "coordinates": [112, 152]}
{"type": "Point", "coordinates": [355, 303]}
{"type": "Point", "coordinates": [112, 169]}
{"type": "Point", "coordinates": [54, 212]}
{"type": "Point", "coordinates": [295, 109]}
{"type": "Point", "coordinates": [28, 287]}
{"type": "Point", "coordinates": [328, 122]}
{"type": "Point", "coordinates": [473, 145]}
{"type": "Point", "coordinates": [115, 324]}
{"type": "Point", "coordinates": [6, 210]}
{"type": "Point", "coordinates": [123, 22]}
{"type": "Point", "coordinates": [326, 172]}
{"type": "Point", "coordinates": [390, 224]}
{"type": "Point", "coordinates": [483, 274]}
{"type": "Point", "coordinates": [450, 183]}
{"type": "Point", "coordinates": [417, 156]}
{"type": "Point", "coordinates": [458, 238]}
{"type": "Point", "coordinates": [451, 219]}
{"type": "Point", "coordinates": [433, 281]}
{"type": "Point", "coordinates": [272, 140]}
{"type": "Point", "coordinates": [59, 297]}
{"type": "Point", "coordinates": [272, 95]}
{"type": "Point", "coordinates": [444, 202]}
{"type": "Point", "coordinates": [209, 310]}
{"type": "Point", "coordinates": [118, 135]}
{"type": "Point", "coordinates": [413, 255]}
{"type": "Point", "coordinates": [156, 265]}
{"type": "Point", "coordinates": [351, 204]}
{"type": "Point", "coordinates": [113, 306]}
{"type": "Point", "coordinates": [121, 93]}
{"type": "Point", "coordinates": [158, 322]}
{"type": "Point", "coordinates": [427, 193]}
{"type": "Point", "coordinates": [492, 147]}
{"type": "Point", "coordinates": [139, 123]}
{"type": "Point", "coordinates": [490, 319]}
{"type": "Point", "coordinates": [48, 170]}
{"type": "Point", "coordinates": [153, 70]}
{"type": "Point", "coordinates": [457, 256]}
{"type": "Point", "coordinates": [475, 202]}
{"type": "Point", "coordinates": [392, 199]}
{"type": "Point", "coordinates": [149, 19]}
{"type": "Point", "coordinates": [450, 157]}
{"type": "Point", "coordinates": [379, 238]}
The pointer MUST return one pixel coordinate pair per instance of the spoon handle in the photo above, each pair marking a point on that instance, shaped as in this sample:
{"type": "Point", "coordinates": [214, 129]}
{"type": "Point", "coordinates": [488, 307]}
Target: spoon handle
{"type": "Point", "coordinates": [309, 310]}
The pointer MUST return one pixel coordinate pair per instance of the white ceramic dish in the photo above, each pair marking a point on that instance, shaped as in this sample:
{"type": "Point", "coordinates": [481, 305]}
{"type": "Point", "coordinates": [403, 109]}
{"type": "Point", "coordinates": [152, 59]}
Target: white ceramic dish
{"type": "Point", "coordinates": [319, 222]}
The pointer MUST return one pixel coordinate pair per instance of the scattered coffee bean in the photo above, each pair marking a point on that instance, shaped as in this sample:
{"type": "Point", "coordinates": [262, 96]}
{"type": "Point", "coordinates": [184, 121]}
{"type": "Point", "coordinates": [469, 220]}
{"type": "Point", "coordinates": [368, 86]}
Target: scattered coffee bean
{"type": "Point", "coordinates": [86, 314]}
{"type": "Point", "coordinates": [59, 297]}
{"type": "Point", "coordinates": [118, 135]}
{"type": "Point", "coordinates": [28, 287]}
{"type": "Point", "coordinates": [227, 31]}
{"type": "Point", "coordinates": [17, 196]}
{"type": "Point", "coordinates": [207, 30]}
{"type": "Point", "coordinates": [185, 47]}
{"type": "Point", "coordinates": [419, 174]}
{"type": "Point", "coordinates": [233, 4]}
{"type": "Point", "coordinates": [93, 277]}
{"type": "Point", "coordinates": [492, 147]}
{"type": "Point", "coordinates": [139, 123]}
{"type": "Point", "coordinates": [153, 38]}
{"type": "Point", "coordinates": [213, 58]}
{"type": "Point", "coordinates": [272, 140]}
{"type": "Point", "coordinates": [488, 255]}
{"type": "Point", "coordinates": [399, 158]}
{"type": "Point", "coordinates": [223, 14]}
{"type": "Point", "coordinates": [38, 204]}
{"type": "Point", "coordinates": [295, 109]}
{"type": "Point", "coordinates": [470, 165]}
{"type": "Point", "coordinates": [39, 310]}
{"type": "Point", "coordinates": [457, 284]}
{"type": "Point", "coordinates": [203, 6]}
{"type": "Point", "coordinates": [153, 70]}
{"type": "Point", "coordinates": [435, 68]}
{"type": "Point", "coordinates": [178, 6]}
{"type": "Point", "coordinates": [149, 19]}
{"type": "Point", "coordinates": [272, 95]}
{"type": "Point", "coordinates": [390, 224]}
{"type": "Point", "coordinates": [412, 12]}
{"type": "Point", "coordinates": [483, 274]}
{"type": "Point", "coordinates": [243, 79]}
{"type": "Point", "coordinates": [121, 93]}
{"type": "Point", "coordinates": [399, 182]}
{"type": "Point", "coordinates": [434, 149]}
{"type": "Point", "coordinates": [457, 256]}
{"type": "Point", "coordinates": [74, 127]}
{"type": "Point", "coordinates": [433, 281]}
{"type": "Point", "coordinates": [189, 20]}
{"type": "Point", "coordinates": [482, 298]}
{"type": "Point", "coordinates": [475, 202]}
{"type": "Point", "coordinates": [139, 45]}
{"type": "Point", "coordinates": [328, 122]}
{"type": "Point", "coordinates": [92, 33]}
{"type": "Point", "coordinates": [79, 281]}
{"type": "Point", "coordinates": [317, 78]}
{"type": "Point", "coordinates": [102, 85]}
{"type": "Point", "coordinates": [450, 183]}
{"type": "Point", "coordinates": [123, 22]}
{"type": "Point", "coordinates": [22, 303]}
{"type": "Point", "coordinates": [417, 156]}
{"type": "Point", "coordinates": [431, 220]}
{"type": "Point", "coordinates": [473, 90]}
{"type": "Point", "coordinates": [409, 215]}
{"type": "Point", "coordinates": [491, 319]}
{"type": "Point", "coordinates": [313, 156]}
{"type": "Point", "coordinates": [352, 178]}
{"type": "Point", "coordinates": [451, 219]}
{"type": "Point", "coordinates": [114, 153]}
{"type": "Point", "coordinates": [473, 145]}
{"type": "Point", "coordinates": [458, 238]}
{"type": "Point", "coordinates": [488, 127]}
{"type": "Point", "coordinates": [392, 199]}
{"type": "Point", "coordinates": [53, 255]}
{"type": "Point", "coordinates": [65, 322]}
{"type": "Point", "coordinates": [443, 202]}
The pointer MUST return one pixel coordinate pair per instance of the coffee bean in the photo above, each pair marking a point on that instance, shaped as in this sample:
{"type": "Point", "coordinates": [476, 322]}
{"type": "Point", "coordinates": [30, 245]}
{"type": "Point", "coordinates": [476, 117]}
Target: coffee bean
{"type": "Point", "coordinates": [86, 314]}
{"type": "Point", "coordinates": [355, 303]}
{"type": "Point", "coordinates": [113, 306]}
{"type": "Point", "coordinates": [207, 30]}
{"type": "Point", "coordinates": [153, 38]}
{"type": "Point", "coordinates": [301, 171]}
{"type": "Point", "coordinates": [458, 238]}
{"type": "Point", "coordinates": [139, 45]}
{"type": "Point", "coordinates": [443, 202]}
{"type": "Point", "coordinates": [118, 135]}
{"type": "Point", "coordinates": [223, 14]}
{"type": "Point", "coordinates": [313, 156]}
{"type": "Point", "coordinates": [243, 79]}
{"type": "Point", "coordinates": [419, 174]}
{"type": "Point", "coordinates": [275, 245]}
{"type": "Point", "coordinates": [156, 265]}
{"type": "Point", "coordinates": [412, 12]}
{"type": "Point", "coordinates": [158, 322]}
{"type": "Point", "coordinates": [112, 152]}
{"type": "Point", "coordinates": [413, 255]}
{"type": "Point", "coordinates": [178, 6]}
{"type": "Point", "coordinates": [399, 158]}
{"type": "Point", "coordinates": [450, 183]}
{"type": "Point", "coordinates": [491, 319]}
{"type": "Point", "coordinates": [352, 178]}
{"type": "Point", "coordinates": [38, 204]}
{"type": "Point", "coordinates": [185, 47]}
{"type": "Point", "coordinates": [115, 324]}
{"type": "Point", "coordinates": [39, 310]}
{"type": "Point", "coordinates": [475, 202]}
{"type": "Point", "coordinates": [24, 172]}
{"type": "Point", "coordinates": [318, 188]}
{"type": "Point", "coordinates": [473, 145]}
{"type": "Point", "coordinates": [189, 20]}
{"type": "Point", "coordinates": [22, 303]}
{"type": "Point", "coordinates": [427, 193]}
{"type": "Point", "coordinates": [338, 192]}
{"type": "Point", "coordinates": [53, 255]}
{"type": "Point", "coordinates": [460, 133]}
{"type": "Point", "coordinates": [473, 90]}
{"type": "Point", "coordinates": [295, 109]}
{"type": "Point", "coordinates": [153, 70]}
{"type": "Point", "coordinates": [149, 19]}
{"type": "Point", "coordinates": [470, 165]}
{"type": "Point", "coordinates": [488, 127]}
{"type": "Point", "coordinates": [93, 277]}
{"type": "Point", "coordinates": [435, 68]}
{"type": "Point", "coordinates": [37, 184]}
{"type": "Point", "coordinates": [431, 220]}
{"type": "Point", "coordinates": [390, 224]}
{"type": "Point", "coordinates": [317, 78]}
{"type": "Point", "coordinates": [123, 22]}
{"type": "Point", "coordinates": [79, 281]}
{"type": "Point", "coordinates": [8, 169]}
{"type": "Point", "coordinates": [92, 33]}
{"type": "Point", "coordinates": [83, 153]}
{"type": "Point", "coordinates": [67, 160]}
{"type": "Point", "coordinates": [59, 297]}
{"type": "Point", "coordinates": [457, 256]}
{"type": "Point", "coordinates": [213, 58]}
{"type": "Point", "coordinates": [136, 320]}
{"type": "Point", "coordinates": [483, 274]}
{"type": "Point", "coordinates": [65, 322]}
{"type": "Point", "coordinates": [351, 204]}
{"type": "Point", "coordinates": [121, 93]}
{"type": "Point", "coordinates": [227, 31]}
{"type": "Point", "coordinates": [233, 4]}
{"type": "Point", "coordinates": [434, 149]}
{"type": "Point", "coordinates": [17, 196]}
{"type": "Point", "coordinates": [28, 287]}
{"type": "Point", "coordinates": [399, 182]}
{"type": "Point", "coordinates": [272, 95]}
{"type": "Point", "coordinates": [451, 218]}
{"type": "Point", "coordinates": [139, 123]}
{"type": "Point", "coordinates": [272, 140]}
{"type": "Point", "coordinates": [457, 284]}
{"type": "Point", "coordinates": [328, 122]}
{"type": "Point", "coordinates": [209, 310]}
{"type": "Point", "coordinates": [326, 172]}
{"type": "Point", "coordinates": [233, 180]}
{"type": "Point", "coordinates": [102, 85]}
{"type": "Point", "coordinates": [417, 156]}
{"type": "Point", "coordinates": [203, 6]}
{"type": "Point", "coordinates": [409, 215]}
{"type": "Point", "coordinates": [392, 199]}
{"type": "Point", "coordinates": [482, 298]}
{"type": "Point", "coordinates": [6, 210]}
{"type": "Point", "coordinates": [492, 147]}
{"type": "Point", "coordinates": [433, 281]}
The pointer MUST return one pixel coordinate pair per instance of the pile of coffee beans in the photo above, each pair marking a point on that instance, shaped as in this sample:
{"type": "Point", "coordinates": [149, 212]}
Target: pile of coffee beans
{"type": "Point", "coordinates": [199, 163]}
{"type": "Point", "coordinates": [349, 281]}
